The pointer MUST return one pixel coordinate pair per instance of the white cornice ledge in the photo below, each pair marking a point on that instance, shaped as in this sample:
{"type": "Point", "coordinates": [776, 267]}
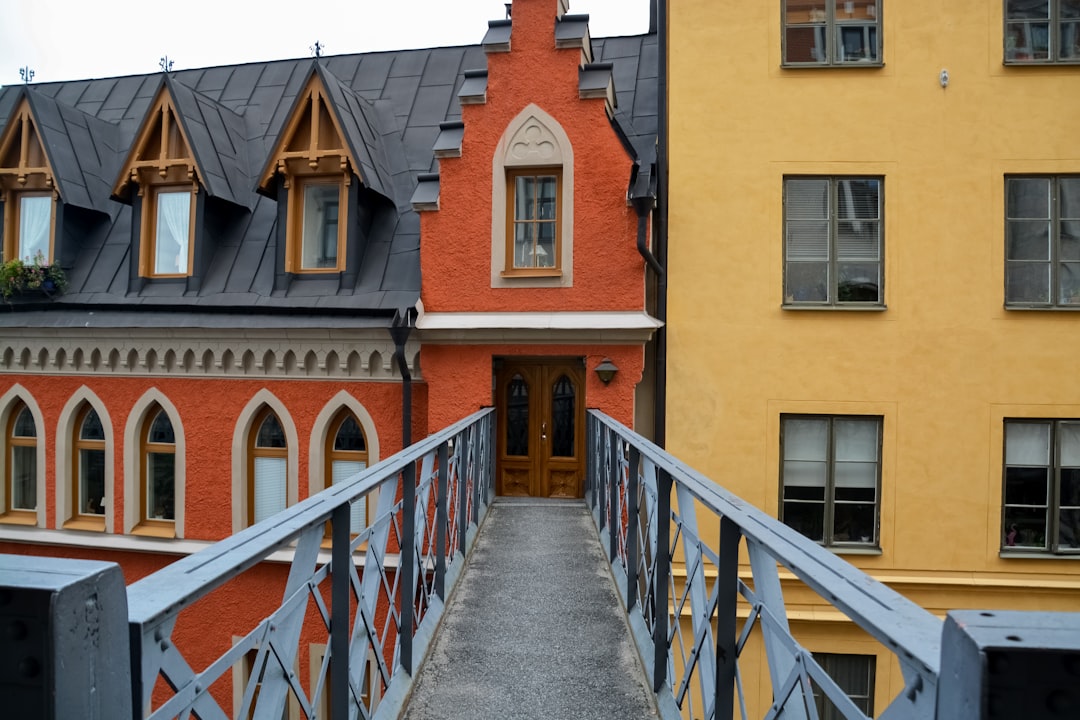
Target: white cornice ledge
{"type": "Point", "coordinates": [632, 327]}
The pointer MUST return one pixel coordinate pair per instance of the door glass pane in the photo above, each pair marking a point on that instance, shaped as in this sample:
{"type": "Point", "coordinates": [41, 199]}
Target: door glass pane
{"type": "Point", "coordinates": [562, 418]}
{"type": "Point", "coordinates": [320, 242]}
{"type": "Point", "coordinates": [517, 417]}
{"type": "Point", "coordinates": [35, 217]}
{"type": "Point", "coordinates": [173, 232]}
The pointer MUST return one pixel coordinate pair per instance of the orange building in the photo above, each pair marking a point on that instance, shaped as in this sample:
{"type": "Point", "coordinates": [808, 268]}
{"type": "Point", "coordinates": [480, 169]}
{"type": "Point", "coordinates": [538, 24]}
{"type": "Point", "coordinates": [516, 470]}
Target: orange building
{"type": "Point", "coordinates": [226, 288]}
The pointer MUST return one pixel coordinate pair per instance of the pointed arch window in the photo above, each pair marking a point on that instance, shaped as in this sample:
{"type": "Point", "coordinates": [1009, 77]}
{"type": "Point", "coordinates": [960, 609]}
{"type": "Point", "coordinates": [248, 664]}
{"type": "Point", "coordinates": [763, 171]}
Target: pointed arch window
{"type": "Point", "coordinates": [347, 455]}
{"type": "Point", "coordinates": [268, 454]}
{"type": "Point", "coordinates": [162, 166]}
{"type": "Point", "coordinates": [27, 191]}
{"type": "Point", "coordinates": [88, 467]}
{"type": "Point", "coordinates": [21, 471]}
{"type": "Point", "coordinates": [157, 486]}
{"type": "Point", "coordinates": [317, 170]}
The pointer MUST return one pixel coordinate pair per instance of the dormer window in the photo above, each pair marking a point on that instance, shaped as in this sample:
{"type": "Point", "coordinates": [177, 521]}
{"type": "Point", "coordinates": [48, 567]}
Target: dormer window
{"type": "Point", "coordinates": [162, 167]}
{"type": "Point", "coordinates": [27, 191]}
{"type": "Point", "coordinates": [320, 238]}
{"type": "Point", "coordinates": [315, 170]}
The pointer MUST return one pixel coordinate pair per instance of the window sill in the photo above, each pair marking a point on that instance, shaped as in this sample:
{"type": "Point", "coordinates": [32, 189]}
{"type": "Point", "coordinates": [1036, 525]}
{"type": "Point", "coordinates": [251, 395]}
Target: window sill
{"type": "Point", "coordinates": [1041, 63]}
{"type": "Point", "coordinates": [1044, 308]}
{"type": "Point", "coordinates": [158, 529]}
{"type": "Point", "coordinates": [537, 273]}
{"type": "Point", "coordinates": [868, 307]}
{"type": "Point", "coordinates": [1037, 555]}
{"type": "Point", "coordinates": [19, 517]}
{"type": "Point", "coordinates": [91, 524]}
{"type": "Point", "coordinates": [871, 64]}
{"type": "Point", "coordinates": [855, 550]}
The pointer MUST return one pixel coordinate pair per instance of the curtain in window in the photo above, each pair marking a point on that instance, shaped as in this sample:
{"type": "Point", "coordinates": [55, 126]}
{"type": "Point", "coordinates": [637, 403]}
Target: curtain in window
{"type": "Point", "coordinates": [35, 216]}
{"type": "Point", "coordinates": [270, 486]}
{"type": "Point", "coordinates": [173, 231]}
{"type": "Point", "coordinates": [342, 470]}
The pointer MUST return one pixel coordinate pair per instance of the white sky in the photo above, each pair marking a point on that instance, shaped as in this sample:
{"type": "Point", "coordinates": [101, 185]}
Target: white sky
{"type": "Point", "coordinates": [79, 39]}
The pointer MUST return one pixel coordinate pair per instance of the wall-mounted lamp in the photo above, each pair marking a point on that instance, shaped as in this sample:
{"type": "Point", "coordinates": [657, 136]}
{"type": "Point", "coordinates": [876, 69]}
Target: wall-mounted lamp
{"type": "Point", "coordinates": [606, 370]}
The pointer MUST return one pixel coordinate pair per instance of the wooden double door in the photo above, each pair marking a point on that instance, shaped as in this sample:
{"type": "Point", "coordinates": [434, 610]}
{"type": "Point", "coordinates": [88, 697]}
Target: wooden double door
{"type": "Point", "coordinates": [541, 427]}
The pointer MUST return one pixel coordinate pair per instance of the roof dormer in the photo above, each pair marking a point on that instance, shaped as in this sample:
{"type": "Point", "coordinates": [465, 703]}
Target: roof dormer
{"type": "Point", "coordinates": [28, 189]}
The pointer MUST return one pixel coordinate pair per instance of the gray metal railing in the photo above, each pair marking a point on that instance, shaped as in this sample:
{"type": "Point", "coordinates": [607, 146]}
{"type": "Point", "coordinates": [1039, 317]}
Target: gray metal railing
{"type": "Point", "coordinates": [646, 504]}
{"type": "Point", "coordinates": [377, 595]}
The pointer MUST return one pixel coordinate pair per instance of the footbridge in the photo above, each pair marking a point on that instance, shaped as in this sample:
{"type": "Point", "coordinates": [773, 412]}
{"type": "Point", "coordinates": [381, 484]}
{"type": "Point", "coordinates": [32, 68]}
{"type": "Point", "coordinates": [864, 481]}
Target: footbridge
{"type": "Point", "coordinates": [640, 601]}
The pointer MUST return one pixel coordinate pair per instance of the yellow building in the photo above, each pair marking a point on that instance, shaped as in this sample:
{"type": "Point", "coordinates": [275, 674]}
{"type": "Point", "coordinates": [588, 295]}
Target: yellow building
{"type": "Point", "coordinates": [874, 279]}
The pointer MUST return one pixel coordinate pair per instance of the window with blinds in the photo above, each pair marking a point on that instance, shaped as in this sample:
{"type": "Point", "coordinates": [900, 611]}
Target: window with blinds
{"type": "Point", "coordinates": [1041, 504]}
{"type": "Point", "coordinates": [830, 477]}
{"type": "Point", "coordinates": [268, 468]}
{"type": "Point", "coordinates": [833, 254]}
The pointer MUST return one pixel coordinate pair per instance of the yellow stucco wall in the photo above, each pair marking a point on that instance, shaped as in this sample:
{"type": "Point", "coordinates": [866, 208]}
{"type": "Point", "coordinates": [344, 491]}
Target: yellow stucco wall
{"type": "Point", "coordinates": [945, 362]}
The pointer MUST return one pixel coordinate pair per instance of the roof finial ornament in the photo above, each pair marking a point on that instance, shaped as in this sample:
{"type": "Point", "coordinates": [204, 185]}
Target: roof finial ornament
{"type": "Point", "coordinates": [26, 74]}
{"type": "Point", "coordinates": [165, 64]}
{"type": "Point", "coordinates": [317, 49]}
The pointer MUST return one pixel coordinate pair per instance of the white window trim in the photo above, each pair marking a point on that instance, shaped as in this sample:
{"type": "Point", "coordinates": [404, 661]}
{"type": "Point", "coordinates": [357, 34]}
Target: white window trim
{"type": "Point", "coordinates": [507, 157]}
{"type": "Point", "coordinates": [65, 429]}
{"type": "Point", "coordinates": [133, 462]}
{"type": "Point", "coordinates": [7, 403]}
{"type": "Point", "coordinates": [243, 430]}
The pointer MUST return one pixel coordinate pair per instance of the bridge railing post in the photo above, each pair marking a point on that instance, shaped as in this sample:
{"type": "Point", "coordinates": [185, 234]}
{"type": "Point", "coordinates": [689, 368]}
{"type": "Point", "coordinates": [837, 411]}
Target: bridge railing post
{"type": "Point", "coordinates": [615, 475]}
{"type": "Point", "coordinates": [441, 523]}
{"type": "Point", "coordinates": [406, 567]}
{"type": "Point", "coordinates": [632, 525]}
{"type": "Point", "coordinates": [66, 650]}
{"type": "Point", "coordinates": [340, 629]}
{"type": "Point", "coordinates": [661, 578]}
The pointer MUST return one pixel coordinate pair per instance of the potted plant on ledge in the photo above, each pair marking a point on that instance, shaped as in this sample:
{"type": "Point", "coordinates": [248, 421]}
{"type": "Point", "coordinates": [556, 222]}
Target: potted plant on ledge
{"type": "Point", "coordinates": [31, 277]}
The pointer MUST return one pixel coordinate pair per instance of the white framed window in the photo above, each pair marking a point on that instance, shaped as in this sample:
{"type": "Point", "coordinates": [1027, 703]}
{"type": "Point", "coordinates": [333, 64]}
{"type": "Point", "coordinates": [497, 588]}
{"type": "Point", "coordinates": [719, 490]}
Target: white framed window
{"type": "Point", "coordinates": [154, 468]}
{"type": "Point", "coordinates": [833, 241]}
{"type": "Point", "coordinates": [22, 459]}
{"type": "Point", "coordinates": [1042, 241]}
{"type": "Point", "coordinates": [1041, 493]}
{"type": "Point", "coordinates": [265, 471]}
{"type": "Point", "coordinates": [830, 477]}
{"type": "Point", "coordinates": [1042, 31]}
{"type": "Point", "coordinates": [170, 246]}
{"type": "Point", "coordinates": [831, 33]}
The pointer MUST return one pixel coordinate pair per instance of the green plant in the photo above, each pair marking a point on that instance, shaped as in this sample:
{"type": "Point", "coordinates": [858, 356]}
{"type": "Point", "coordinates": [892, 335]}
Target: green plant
{"type": "Point", "coordinates": [18, 276]}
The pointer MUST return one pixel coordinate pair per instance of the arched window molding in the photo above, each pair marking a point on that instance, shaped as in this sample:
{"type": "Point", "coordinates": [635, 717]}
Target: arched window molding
{"type": "Point", "coordinates": [133, 460]}
{"type": "Point", "coordinates": [533, 139]}
{"type": "Point", "coordinates": [17, 396]}
{"type": "Point", "coordinates": [66, 515]}
{"type": "Point", "coordinates": [320, 439]}
{"type": "Point", "coordinates": [245, 425]}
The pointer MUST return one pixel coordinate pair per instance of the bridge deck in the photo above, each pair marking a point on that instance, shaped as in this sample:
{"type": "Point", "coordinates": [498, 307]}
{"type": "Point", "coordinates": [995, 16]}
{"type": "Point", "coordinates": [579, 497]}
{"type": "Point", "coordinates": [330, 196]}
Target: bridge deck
{"type": "Point", "coordinates": [535, 628]}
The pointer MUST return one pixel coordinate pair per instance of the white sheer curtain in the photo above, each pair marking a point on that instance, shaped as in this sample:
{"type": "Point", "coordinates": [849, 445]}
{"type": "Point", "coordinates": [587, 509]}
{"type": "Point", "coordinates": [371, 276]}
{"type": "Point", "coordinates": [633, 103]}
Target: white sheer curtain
{"type": "Point", "coordinates": [35, 214]}
{"type": "Point", "coordinates": [173, 225]}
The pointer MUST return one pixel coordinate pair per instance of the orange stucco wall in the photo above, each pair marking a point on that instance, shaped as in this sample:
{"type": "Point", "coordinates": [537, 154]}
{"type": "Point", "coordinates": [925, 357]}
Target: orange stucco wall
{"type": "Point", "coordinates": [456, 248]}
{"type": "Point", "coordinates": [209, 409]}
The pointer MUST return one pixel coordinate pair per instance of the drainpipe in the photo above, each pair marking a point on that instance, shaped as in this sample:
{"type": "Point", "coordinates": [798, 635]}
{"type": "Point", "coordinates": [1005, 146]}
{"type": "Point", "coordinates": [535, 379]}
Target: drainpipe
{"type": "Point", "coordinates": [399, 332]}
{"type": "Point", "coordinates": [660, 422]}
{"type": "Point", "coordinates": [643, 205]}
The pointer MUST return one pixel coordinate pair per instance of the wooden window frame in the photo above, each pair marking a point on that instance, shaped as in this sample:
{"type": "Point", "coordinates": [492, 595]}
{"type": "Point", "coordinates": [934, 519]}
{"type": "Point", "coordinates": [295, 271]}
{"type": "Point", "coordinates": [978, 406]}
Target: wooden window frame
{"type": "Point", "coordinates": [294, 259]}
{"type": "Point", "coordinates": [254, 450]}
{"type": "Point", "coordinates": [13, 241]}
{"type": "Point", "coordinates": [833, 287]}
{"type": "Point", "coordinates": [30, 175]}
{"type": "Point", "coordinates": [330, 454]}
{"type": "Point", "coordinates": [1054, 25]}
{"type": "Point", "coordinates": [831, 24]}
{"type": "Point", "coordinates": [80, 520]}
{"type": "Point", "coordinates": [13, 515]}
{"type": "Point", "coordinates": [512, 174]}
{"type": "Point", "coordinates": [148, 231]}
{"type": "Point", "coordinates": [150, 525]}
{"type": "Point", "coordinates": [1055, 220]}
{"type": "Point", "coordinates": [1054, 500]}
{"type": "Point", "coordinates": [829, 502]}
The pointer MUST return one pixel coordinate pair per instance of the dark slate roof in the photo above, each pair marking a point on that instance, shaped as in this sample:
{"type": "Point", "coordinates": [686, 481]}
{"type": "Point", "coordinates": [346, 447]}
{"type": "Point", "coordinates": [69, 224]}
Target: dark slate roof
{"type": "Point", "coordinates": [218, 138]}
{"type": "Point", "coordinates": [392, 107]}
{"type": "Point", "coordinates": [81, 150]}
